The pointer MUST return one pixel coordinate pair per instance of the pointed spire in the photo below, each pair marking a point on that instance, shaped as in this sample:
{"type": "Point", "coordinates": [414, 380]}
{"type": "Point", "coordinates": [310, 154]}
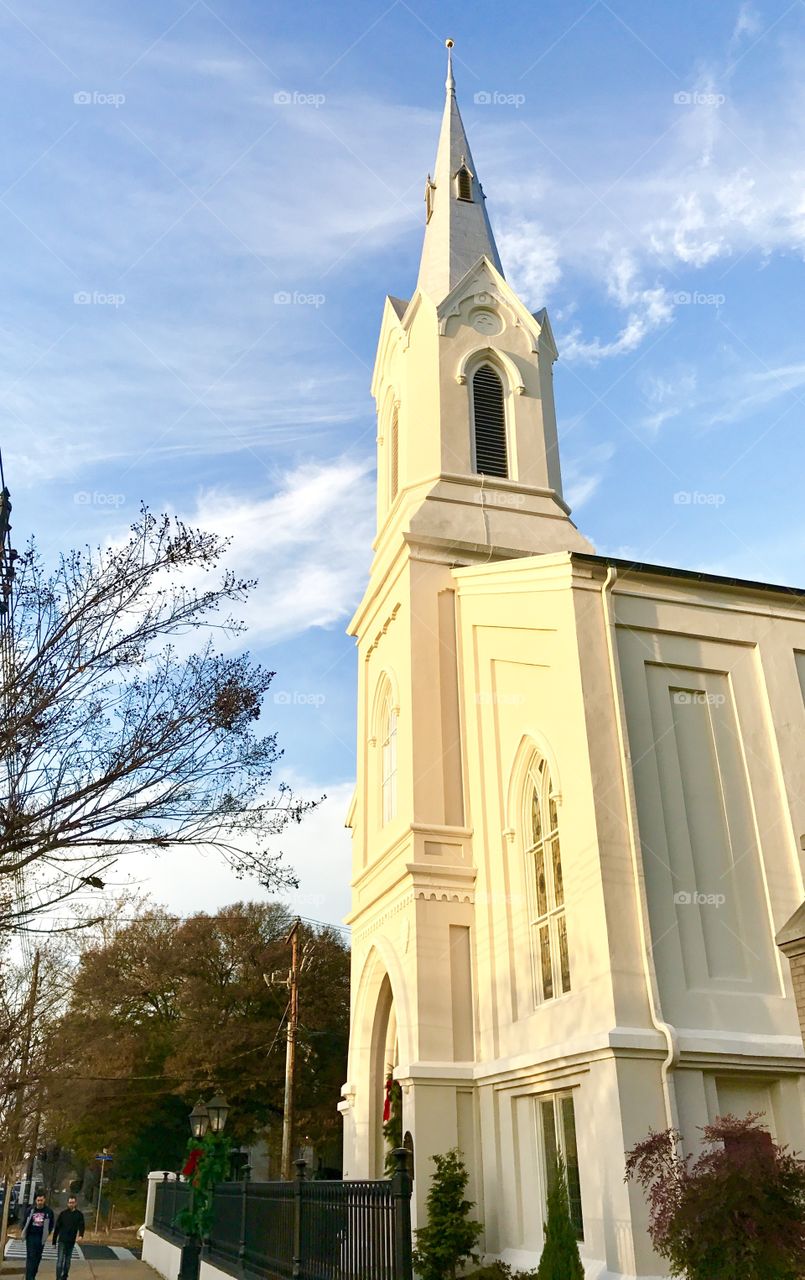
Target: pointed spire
{"type": "Point", "coordinates": [450, 84]}
{"type": "Point", "coordinates": [457, 230]}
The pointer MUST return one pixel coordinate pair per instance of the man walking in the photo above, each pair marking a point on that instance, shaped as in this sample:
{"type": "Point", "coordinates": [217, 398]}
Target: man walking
{"type": "Point", "coordinates": [69, 1227]}
{"type": "Point", "coordinates": [35, 1232]}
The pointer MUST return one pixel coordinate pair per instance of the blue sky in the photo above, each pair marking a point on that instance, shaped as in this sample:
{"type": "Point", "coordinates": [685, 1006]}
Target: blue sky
{"type": "Point", "coordinates": [172, 173]}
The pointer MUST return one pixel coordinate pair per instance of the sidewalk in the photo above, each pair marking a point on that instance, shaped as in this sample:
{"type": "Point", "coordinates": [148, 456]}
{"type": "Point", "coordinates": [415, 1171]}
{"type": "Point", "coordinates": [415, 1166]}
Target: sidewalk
{"type": "Point", "coordinates": [108, 1269]}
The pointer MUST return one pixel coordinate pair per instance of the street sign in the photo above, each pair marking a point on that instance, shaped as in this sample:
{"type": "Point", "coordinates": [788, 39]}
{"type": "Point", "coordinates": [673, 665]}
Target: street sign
{"type": "Point", "coordinates": [104, 1157]}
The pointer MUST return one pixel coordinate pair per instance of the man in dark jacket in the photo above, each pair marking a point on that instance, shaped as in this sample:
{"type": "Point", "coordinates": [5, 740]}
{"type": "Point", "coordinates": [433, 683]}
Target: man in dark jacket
{"type": "Point", "coordinates": [36, 1229]}
{"type": "Point", "coordinates": [69, 1227]}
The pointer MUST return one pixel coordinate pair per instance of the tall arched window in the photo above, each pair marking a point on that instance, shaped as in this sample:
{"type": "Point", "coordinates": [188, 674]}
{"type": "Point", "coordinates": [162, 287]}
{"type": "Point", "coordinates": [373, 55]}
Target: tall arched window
{"type": "Point", "coordinates": [388, 758]}
{"type": "Point", "coordinates": [394, 455]}
{"type": "Point", "coordinates": [489, 422]}
{"type": "Point", "coordinates": [544, 868]}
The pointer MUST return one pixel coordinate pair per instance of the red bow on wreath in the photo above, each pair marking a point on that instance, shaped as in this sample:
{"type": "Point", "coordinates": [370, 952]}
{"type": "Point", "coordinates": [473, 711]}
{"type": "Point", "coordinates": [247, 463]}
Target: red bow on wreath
{"type": "Point", "coordinates": [192, 1162]}
{"type": "Point", "coordinates": [387, 1100]}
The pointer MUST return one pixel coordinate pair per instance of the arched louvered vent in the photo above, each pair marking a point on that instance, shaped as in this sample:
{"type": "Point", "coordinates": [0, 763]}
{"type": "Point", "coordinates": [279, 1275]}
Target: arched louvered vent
{"type": "Point", "coordinates": [394, 461]}
{"type": "Point", "coordinates": [464, 183]}
{"type": "Point", "coordinates": [489, 417]}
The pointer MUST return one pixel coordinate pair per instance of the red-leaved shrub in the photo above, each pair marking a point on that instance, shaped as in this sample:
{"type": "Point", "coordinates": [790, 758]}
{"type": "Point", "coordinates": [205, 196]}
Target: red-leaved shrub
{"type": "Point", "coordinates": [737, 1212]}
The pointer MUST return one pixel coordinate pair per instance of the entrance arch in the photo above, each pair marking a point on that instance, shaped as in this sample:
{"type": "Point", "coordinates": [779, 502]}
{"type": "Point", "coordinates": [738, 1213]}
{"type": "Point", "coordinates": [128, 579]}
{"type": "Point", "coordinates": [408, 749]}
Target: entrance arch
{"type": "Point", "coordinates": [379, 1043]}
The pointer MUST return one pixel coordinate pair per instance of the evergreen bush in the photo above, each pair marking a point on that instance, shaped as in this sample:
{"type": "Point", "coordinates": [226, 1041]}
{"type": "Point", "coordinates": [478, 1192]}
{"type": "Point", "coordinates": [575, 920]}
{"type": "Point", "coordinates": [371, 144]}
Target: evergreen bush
{"type": "Point", "coordinates": [560, 1255]}
{"type": "Point", "coordinates": [451, 1235]}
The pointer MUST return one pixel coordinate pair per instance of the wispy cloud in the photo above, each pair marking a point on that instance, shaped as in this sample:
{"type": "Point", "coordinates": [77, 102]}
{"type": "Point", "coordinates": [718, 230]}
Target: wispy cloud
{"type": "Point", "coordinates": [718, 178]}
{"type": "Point", "coordinates": [308, 544]}
{"type": "Point", "coordinates": [582, 477]}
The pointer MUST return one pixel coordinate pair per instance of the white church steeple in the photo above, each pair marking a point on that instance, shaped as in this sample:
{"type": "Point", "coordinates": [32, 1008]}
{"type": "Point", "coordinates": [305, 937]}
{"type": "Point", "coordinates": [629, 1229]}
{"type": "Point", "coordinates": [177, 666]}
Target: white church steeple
{"type": "Point", "coordinates": [457, 231]}
{"type": "Point", "coordinates": [468, 455]}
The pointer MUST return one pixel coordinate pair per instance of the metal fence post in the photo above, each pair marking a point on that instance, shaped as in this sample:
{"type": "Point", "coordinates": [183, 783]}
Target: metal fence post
{"type": "Point", "coordinates": [296, 1271]}
{"type": "Point", "coordinates": [160, 1198]}
{"type": "Point", "coordinates": [244, 1204]}
{"type": "Point", "coordinates": [401, 1187]}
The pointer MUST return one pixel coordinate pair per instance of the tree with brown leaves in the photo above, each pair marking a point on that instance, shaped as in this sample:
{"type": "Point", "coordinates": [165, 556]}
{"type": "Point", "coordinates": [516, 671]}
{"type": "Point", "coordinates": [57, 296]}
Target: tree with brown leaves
{"type": "Point", "coordinates": [165, 1009]}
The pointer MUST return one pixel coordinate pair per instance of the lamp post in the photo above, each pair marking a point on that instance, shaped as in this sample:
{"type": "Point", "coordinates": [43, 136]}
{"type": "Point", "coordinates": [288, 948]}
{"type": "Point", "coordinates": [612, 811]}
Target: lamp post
{"type": "Point", "coordinates": [199, 1119]}
{"type": "Point", "coordinates": [207, 1121]}
{"type": "Point", "coordinates": [217, 1110]}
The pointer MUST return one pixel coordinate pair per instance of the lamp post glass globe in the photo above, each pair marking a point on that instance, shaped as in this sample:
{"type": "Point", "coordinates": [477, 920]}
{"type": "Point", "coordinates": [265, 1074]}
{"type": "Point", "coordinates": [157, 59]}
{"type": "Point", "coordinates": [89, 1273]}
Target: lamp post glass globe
{"type": "Point", "coordinates": [199, 1119]}
{"type": "Point", "coordinates": [217, 1110]}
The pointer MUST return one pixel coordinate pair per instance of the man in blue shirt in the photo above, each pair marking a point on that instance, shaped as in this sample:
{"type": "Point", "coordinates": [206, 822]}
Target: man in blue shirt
{"type": "Point", "coordinates": [36, 1230]}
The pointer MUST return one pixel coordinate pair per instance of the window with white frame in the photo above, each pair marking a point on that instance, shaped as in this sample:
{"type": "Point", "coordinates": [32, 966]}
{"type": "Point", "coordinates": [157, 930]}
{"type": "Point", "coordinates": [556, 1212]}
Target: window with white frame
{"type": "Point", "coordinates": [556, 1123]}
{"type": "Point", "coordinates": [388, 757]}
{"type": "Point", "coordinates": [549, 952]}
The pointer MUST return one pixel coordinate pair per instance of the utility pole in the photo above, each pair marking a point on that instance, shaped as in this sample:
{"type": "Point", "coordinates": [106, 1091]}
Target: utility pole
{"type": "Point", "coordinates": [15, 1123]}
{"type": "Point", "coordinates": [290, 1052]}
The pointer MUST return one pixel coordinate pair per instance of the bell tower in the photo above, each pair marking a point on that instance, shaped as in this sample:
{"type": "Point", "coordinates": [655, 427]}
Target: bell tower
{"type": "Point", "coordinates": [463, 381]}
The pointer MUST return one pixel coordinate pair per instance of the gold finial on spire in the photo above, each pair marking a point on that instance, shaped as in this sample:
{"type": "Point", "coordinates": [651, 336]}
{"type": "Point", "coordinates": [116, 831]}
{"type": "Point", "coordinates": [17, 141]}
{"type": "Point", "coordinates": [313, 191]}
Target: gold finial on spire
{"type": "Point", "coordinates": [449, 83]}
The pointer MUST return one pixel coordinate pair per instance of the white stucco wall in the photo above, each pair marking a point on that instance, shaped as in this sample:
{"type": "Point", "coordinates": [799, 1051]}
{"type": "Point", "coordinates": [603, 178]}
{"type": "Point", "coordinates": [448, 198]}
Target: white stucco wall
{"type": "Point", "coordinates": [160, 1254]}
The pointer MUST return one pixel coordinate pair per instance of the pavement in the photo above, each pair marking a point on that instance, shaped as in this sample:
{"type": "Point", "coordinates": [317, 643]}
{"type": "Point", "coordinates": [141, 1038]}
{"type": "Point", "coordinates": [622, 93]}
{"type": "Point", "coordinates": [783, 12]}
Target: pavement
{"type": "Point", "coordinates": [90, 1262]}
{"type": "Point", "coordinates": [96, 1269]}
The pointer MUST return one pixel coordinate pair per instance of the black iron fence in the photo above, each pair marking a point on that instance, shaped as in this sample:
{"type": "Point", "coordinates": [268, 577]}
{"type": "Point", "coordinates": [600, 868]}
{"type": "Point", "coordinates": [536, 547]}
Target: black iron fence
{"type": "Point", "coordinates": [171, 1197]}
{"type": "Point", "coordinates": [313, 1230]}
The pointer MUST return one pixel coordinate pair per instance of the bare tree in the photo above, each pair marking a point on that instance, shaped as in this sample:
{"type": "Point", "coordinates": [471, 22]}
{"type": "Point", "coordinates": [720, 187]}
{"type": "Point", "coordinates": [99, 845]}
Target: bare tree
{"type": "Point", "coordinates": [117, 734]}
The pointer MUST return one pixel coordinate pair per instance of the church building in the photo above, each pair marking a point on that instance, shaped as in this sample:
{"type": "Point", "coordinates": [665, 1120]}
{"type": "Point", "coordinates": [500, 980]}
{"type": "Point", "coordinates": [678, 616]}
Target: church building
{"type": "Point", "coordinates": [579, 812]}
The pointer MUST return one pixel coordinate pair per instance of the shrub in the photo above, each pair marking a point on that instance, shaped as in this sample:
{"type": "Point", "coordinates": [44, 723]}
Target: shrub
{"type": "Point", "coordinates": [500, 1271]}
{"type": "Point", "coordinates": [738, 1210]}
{"type": "Point", "coordinates": [560, 1257]}
{"type": "Point", "coordinates": [451, 1235]}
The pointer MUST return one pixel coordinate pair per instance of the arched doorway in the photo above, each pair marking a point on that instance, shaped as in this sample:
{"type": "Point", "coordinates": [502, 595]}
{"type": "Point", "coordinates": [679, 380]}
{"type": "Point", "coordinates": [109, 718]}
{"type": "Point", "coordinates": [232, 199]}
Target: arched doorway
{"type": "Point", "coordinates": [385, 1056]}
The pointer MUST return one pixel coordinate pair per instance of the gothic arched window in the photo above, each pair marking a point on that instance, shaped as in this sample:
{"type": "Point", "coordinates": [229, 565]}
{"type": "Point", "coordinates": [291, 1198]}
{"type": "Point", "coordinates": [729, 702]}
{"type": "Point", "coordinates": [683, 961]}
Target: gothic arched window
{"type": "Point", "coordinates": [547, 895]}
{"type": "Point", "coordinates": [387, 737]}
{"type": "Point", "coordinates": [489, 422]}
{"type": "Point", "coordinates": [394, 455]}
{"type": "Point", "coordinates": [464, 183]}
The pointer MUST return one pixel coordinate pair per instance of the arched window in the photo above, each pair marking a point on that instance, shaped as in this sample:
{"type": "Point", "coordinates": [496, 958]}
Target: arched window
{"type": "Point", "coordinates": [547, 895]}
{"type": "Point", "coordinates": [464, 183]}
{"type": "Point", "coordinates": [388, 758]}
{"type": "Point", "coordinates": [489, 422]}
{"type": "Point", "coordinates": [394, 455]}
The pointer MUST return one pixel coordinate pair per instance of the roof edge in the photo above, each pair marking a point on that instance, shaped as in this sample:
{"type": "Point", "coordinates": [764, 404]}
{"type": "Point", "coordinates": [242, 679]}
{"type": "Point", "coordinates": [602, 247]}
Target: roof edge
{"type": "Point", "coordinates": [688, 575]}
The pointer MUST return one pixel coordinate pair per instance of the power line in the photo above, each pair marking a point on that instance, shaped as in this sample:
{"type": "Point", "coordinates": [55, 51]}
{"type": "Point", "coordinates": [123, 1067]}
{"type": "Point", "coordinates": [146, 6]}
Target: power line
{"type": "Point", "coordinates": [78, 921]}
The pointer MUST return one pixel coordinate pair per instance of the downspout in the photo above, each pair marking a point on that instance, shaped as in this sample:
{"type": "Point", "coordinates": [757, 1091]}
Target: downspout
{"type": "Point", "coordinates": [652, 987]}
